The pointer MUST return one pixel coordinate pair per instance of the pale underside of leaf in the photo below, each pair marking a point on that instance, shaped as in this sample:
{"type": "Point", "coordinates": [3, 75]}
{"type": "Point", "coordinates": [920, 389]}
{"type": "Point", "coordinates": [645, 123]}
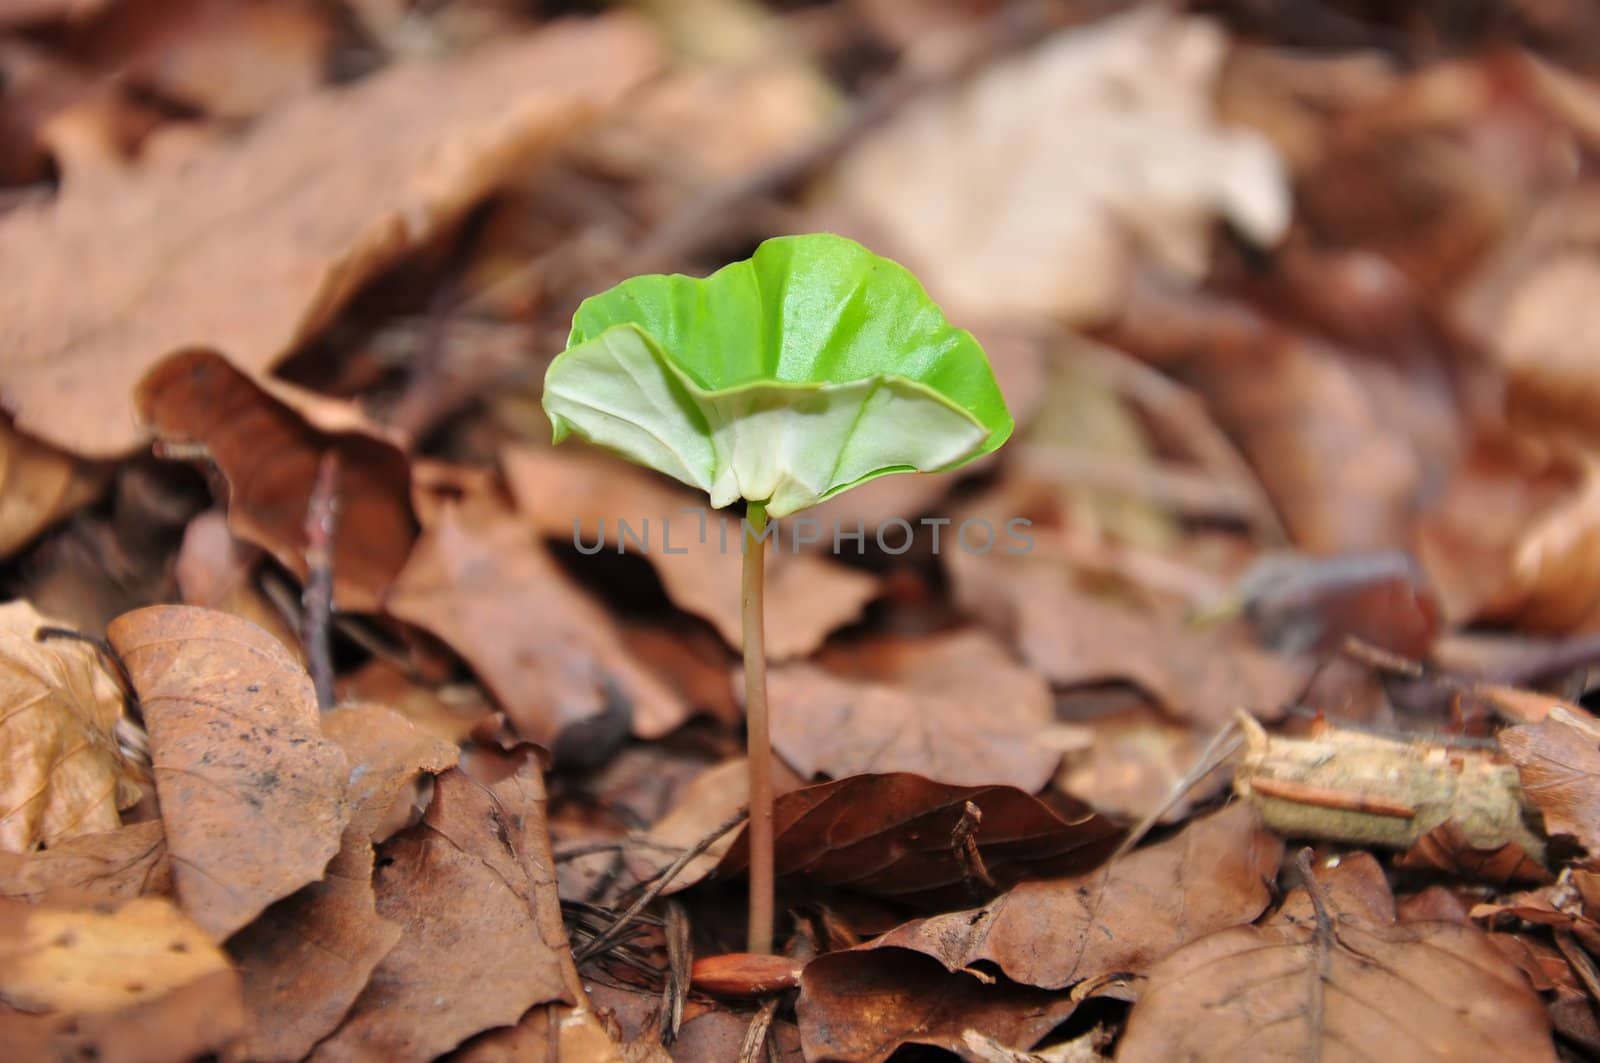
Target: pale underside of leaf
{"type": "Point", "coordinates": [788, 445]}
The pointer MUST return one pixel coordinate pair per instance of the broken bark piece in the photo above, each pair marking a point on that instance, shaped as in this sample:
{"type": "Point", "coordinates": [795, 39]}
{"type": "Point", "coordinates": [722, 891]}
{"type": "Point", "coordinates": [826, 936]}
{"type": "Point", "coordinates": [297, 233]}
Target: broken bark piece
{"type": "Point", "coordinates": [1363, 789]}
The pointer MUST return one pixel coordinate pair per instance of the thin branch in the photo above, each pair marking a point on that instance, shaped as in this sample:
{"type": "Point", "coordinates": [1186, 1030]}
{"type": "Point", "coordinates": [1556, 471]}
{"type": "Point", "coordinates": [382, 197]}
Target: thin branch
{"type": "Point", "coordinates": [322, 524]}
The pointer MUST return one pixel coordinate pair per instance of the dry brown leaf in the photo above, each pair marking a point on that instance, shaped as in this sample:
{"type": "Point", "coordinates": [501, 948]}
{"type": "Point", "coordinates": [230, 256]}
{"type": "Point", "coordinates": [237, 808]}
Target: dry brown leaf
{"type": "Point", "coordinates": [1134, 164]}
{"type": "Point", "coordinates": [1559, 761]}
{"type": "Point", "coordinates": [1357, 986]}
{"type": "Point", "coordinates": [267, 440]}
{"type": "Point", "coordinates": [308, 957]}
{"type": "Point", "coordinates": [1073, 636]}
{"type": "Point", "coordinates": [954, 708]}
{"type": "Point", "coordinates": [228, 59]}
{"type": "Point", "coordinates": [101, 284]}
{"type": "Point", "coordinates": [121, 982]}
{"type": "Point", "coordinates": [252, 795]}
{"type": "Point", "coordinates": [63, 773]}
{"type": "Point", "coordinates": [1057, 932]}
{"type": "Point", "coordinates": [697, 555]}
{"type": "Point", "coordinates": [891, 836]}
{"type": "Point", "coordinates": [552, 1033]}
{"type": "Point", "coordinates": [38, 486]}
{"type": "Point", "coordinates": [861, 1007]}
{"type": "Point", "coordinates": [448, 711]}
{"type": "Point", "coordinates": [1131, 759]}
{"type": "Point", "coordinates": [127, 862]}
{"type": "Point", "coordinates": [216, 571]}
{"type": "Point", "coordinates": [549, 652]}
{"type": "Point", "coordinates": [472, 887]}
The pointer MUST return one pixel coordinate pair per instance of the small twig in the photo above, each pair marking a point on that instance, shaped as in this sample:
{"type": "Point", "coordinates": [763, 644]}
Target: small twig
{"type": "Point", "coordinates": [322, 524]}
{"type": "Point", "coordinates": [680, 963]}
{"type": "Point", "coordinates": [755, 1037]}
{"type": "Point", "coordinates": [594, 848]}
{"type": "Point", "coordinates": [658, 882]}
{"type": "Point", "coordinates": [1321, 936]}
{"type": "Point", "coordinates": [964, 840]}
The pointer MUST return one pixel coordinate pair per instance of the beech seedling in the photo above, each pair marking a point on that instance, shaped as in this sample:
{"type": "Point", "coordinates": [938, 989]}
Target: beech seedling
{"type": "Point", "coordinates": [782, 380]}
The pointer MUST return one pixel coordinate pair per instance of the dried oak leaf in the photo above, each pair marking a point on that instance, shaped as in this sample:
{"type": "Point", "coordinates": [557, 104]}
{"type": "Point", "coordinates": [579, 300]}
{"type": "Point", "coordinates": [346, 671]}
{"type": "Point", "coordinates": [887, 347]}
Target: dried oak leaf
{"type": "Point", "coordinates": [323, 192]}
{"type": "Point", "coordinates": [588, 496]}
{"type": "Point", "coordinates": [891, 835]}
{"type": "Point", "coordinates": [1351, 985]}
{"type": "Point", "coordinates": [308, 957]}
{"type": "Point", "coordinates": [38, 486]}
{"type": "Point", "coordinates": [252, 794]}
{"type": "Point", "coordinates": [62, 772]}
{"type": "Point", "coordinates": [861, 1007]}
{"type": "Point", "coordinates": [1056, 932]}
{"type": "Point", "coordinates": [1558, 759]}
{"type": "Point", "coordinates": [1073, 636]}
{"type": "Point", "coordinates": [551, 654]}
{"type": "Point", "coordinates": [473, 889]}
{"type": "Point", "coordinates": [127, 862]}
{"type": "Point", "coordinates": [267, 439]}
{"type": "Point", "coordinates": [954, 708]}
{"type": "Point", "coordinates": [120, 982]}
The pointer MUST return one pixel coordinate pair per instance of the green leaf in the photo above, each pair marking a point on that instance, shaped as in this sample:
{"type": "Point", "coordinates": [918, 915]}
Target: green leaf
{"type": "Point", "coordinates": [789, 377]}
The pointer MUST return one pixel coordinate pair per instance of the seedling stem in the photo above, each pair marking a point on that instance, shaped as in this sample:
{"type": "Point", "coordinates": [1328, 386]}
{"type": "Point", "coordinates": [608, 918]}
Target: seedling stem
{"type": "Point", "coordinates": [759, 745]}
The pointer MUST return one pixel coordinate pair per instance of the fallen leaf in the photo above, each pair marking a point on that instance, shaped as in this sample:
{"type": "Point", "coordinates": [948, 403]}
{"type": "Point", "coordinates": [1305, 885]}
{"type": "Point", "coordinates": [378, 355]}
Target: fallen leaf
{"type": "Point", "coordinates": [64, 774]}
{"type": "Point", "coordinates": [127, 981]}
{"type": "Point", "coordinates": [551, 655]}
{"type": "Point", "coordinates": [1447, 849]}
{"type": "Point", "coordinates": [1136, 165]}
{"type": "Point", "coordinates": [1071, 636]}
{"type": "Point", "coordinates": [216, 571]}
{"type": "Point", "coordinates": [448, 711]}
{"type": "Point", "coordinates": [891, 836]}
{"type": "Point", "coordinates": [267, 440]}
{"type": "Point", "coordinates": [1131, 762]}
{"type": "Point", "coordinates": [307, 958]}
{"type": "Point", "coordinates": [325, 191]}
{"type": "Point", "coordinates": [252, 795]}
{"type": "Point", "coordinates": [859, 1008]}
{"type": "Point", "coordinates": [228, 59]}
{"type": "Point", "coordinates": [589, 497]}
{"type": "Point", "coordinates": [1056, 932]}
{"type": "Point", "coordinates": [39, 485]}
{"type": "Point", "coordinates": [551, 1033]}
{"type": "Point", "coordinates": [126, 862]}
{"type": "Point", "coordinates": [1558, 759]}
{"type": "Point", "coordinates": [954, 709]}
{"type": "Point", "coordinates": [472, 887]}
{"type": "Point", "coordinates": [1299, 988]}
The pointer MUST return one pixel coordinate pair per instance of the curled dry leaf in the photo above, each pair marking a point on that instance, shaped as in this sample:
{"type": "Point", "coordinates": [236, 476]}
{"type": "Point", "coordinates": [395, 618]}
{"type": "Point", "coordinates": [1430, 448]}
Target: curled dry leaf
{"type": "Point", "coordinates": [861, 1007]}
{"type": "Point", "coordinates": [1119, 154]}
{"type": "Point", "coordinates": [552, 656]}
{"type": "Point", "coordinates": [214, 570]}
{"type": "Point", "coordinates": [267, 440]}
{"type": "Point", "coordinates": [473, 889]}
{"type": "Point", "coordinates": [1073, 636]}
{"type": "Point", "coordinates": [252, 795]}
{"type": "Point", "coordinates": [1339, 986]}
{"type": "Point", "coordinates": [954, 708]}
{"type": "Point", "coordinates": [127, 862]}
{"type": "Point", "coordinates": [102, 283]}
{"type": "Point", "coordinates": [1558, 759]}
{"type": "Point", "coordinates": [891, 835]}
{"type": "Point", "coordinates": [1122, 918]}
{"type": "Point", "coordinates": [134, 980]}
{"type": "Point", "coordinates": [308, 957]}
{"type": "Point", "coordinates": [63, 773]}
{"type": "Point", "coordinates": [38, 486]}
{"type": "Point", "coordinates": [589, 496]}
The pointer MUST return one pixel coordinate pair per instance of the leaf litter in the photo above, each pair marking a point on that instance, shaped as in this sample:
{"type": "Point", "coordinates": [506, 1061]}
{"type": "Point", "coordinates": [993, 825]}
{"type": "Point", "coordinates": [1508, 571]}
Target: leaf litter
{"type": "Point", "coordinates": [1290, 312]}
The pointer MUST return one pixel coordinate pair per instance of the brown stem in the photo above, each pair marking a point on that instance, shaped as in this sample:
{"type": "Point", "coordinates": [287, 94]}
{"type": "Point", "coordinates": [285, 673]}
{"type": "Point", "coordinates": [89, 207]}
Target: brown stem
{"type": "Point", "coordinates": [759, 743]}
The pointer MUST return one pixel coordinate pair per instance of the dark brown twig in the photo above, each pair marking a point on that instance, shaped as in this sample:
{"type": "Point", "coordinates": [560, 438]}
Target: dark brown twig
{"type": "Point", "coordinates": [322, 524]}
{"type": "Point", "coordinates": [680, 963]}
{"type": "Point", "coordinates": [964, 840]}
{"type": "Point", "coordinates": [657, 883]}
{"type": "Point", "coordinates": [108, 655]}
